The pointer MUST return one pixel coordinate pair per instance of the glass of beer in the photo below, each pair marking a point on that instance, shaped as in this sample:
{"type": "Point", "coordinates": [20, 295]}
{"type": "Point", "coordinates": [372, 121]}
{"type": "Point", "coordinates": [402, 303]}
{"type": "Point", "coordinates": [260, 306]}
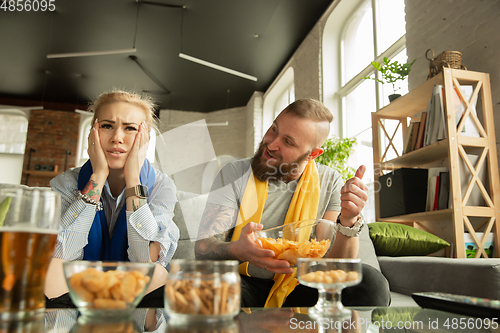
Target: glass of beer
{"type": "Point", "coordinates": [29, 220]}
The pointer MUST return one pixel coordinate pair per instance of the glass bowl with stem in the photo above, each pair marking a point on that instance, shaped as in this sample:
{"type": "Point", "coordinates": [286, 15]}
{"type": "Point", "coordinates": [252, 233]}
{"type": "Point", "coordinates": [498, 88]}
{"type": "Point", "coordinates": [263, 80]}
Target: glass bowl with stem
{"type": "Point", "coordinates": [329, 276]}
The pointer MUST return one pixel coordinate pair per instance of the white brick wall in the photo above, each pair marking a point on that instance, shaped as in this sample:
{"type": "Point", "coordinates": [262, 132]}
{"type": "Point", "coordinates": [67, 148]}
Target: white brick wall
{"type": "Point", "coordinates": [306, 65]}
{"type": "Point", "coordinates": [468, 26]}
{"type": "Point", "coordinates": [254, 123]}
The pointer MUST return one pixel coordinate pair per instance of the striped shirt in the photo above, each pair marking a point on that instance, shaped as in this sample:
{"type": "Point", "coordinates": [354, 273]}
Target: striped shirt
{"type": "Point", "coordinates": [66, 320]}
{"type": "Point", "coordinates": [151, 222]}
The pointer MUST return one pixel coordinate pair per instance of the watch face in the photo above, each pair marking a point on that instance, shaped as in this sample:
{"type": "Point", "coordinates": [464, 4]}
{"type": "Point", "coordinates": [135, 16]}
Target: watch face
{"type": "Point", "coordinates": [143, 191]}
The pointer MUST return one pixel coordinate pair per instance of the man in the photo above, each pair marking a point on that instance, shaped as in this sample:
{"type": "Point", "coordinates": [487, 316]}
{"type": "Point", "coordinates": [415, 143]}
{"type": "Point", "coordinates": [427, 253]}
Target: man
{"type": "Point", "coordinates": [283, 184]}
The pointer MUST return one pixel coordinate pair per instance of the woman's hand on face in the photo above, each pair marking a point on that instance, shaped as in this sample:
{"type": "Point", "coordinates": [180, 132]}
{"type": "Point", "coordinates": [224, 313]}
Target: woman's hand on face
{"type": "Point", "coordinates": [137, 155]}
{"type": "Point", "coordinates": [96, 153]}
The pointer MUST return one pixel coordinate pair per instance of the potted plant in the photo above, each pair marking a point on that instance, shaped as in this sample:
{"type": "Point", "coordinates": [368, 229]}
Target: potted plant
{"type": "Point", "coordinates": [336, 151]}
{"type": "Point", "coordinates": [391, 71]}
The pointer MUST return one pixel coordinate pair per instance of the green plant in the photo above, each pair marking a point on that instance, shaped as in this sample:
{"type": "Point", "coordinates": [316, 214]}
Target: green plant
{"type": "Point", "coordinates": [336, 151]}
{"type": "Point", "coordinates": [392, 71]}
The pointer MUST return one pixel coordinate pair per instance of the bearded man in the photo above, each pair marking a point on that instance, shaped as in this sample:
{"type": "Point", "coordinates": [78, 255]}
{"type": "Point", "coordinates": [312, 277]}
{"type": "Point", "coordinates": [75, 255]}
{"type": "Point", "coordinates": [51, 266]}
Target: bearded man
{"type": "Point", "coordinates": [261, 192]}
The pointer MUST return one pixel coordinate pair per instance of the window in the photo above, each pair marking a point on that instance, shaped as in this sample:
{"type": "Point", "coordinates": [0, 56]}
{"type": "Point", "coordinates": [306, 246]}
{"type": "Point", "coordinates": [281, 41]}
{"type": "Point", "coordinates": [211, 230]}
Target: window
{"type": "Point", "coordinates": [287, 97]}
{"type": "Point", "coordinates": [374, 31]}
{"type": "Point", "coordinates": [276, 99]}
{"type": "Point", "coordinates": [13, 132]}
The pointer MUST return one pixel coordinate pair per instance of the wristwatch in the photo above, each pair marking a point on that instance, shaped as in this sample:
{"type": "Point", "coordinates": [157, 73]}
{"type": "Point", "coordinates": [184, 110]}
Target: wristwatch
{"type": "Point", "coordinates": [140, 191]}
{"type": "Point", "coordinates": [353, 231]}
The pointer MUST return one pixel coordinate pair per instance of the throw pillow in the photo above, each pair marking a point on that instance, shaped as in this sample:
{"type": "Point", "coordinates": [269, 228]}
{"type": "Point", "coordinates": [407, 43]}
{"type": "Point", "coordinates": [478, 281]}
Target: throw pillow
{"type": "Point", "coordinates": [394, 239]}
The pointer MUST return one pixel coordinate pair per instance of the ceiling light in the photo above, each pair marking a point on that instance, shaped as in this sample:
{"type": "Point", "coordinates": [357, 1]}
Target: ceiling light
{"type": "Point", "coordinates": [88, 54]}
{"type": "Point", "coordinates": [22, 108]}
{"type": "Point", "coordinates": [217, 67]}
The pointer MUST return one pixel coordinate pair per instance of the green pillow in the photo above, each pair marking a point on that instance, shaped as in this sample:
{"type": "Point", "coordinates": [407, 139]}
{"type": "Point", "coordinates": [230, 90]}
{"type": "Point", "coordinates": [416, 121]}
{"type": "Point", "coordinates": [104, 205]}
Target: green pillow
{"type": "Point", "coordinates": [394, 239]}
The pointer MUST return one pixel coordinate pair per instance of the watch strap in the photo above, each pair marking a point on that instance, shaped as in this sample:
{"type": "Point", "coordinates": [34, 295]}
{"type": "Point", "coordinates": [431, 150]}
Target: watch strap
{"type": "Point", "coordinates": [140, 191]}
{"type": "Point", "coordinates": [353, 231]}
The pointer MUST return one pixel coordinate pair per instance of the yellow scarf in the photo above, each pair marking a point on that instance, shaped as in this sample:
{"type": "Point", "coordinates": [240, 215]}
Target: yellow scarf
{"type": "Point", "coordinates": [304, 206]}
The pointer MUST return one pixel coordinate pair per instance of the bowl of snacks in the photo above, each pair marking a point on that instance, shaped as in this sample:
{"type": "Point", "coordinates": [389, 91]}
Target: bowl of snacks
{"type": "Point", "coordinates": [329, 276]}
{"type": "Point", "coordinates": [205, 291]}
{"type": "Point", "coordinates": [302, 239]}
{"type": "Point", "coordinates": [107, 289]}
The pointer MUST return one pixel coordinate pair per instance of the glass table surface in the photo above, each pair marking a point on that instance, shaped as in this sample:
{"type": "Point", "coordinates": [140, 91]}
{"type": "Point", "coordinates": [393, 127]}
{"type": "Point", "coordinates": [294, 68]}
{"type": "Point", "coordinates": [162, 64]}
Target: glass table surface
{"type": "Point", "coordinates": [250, 320]}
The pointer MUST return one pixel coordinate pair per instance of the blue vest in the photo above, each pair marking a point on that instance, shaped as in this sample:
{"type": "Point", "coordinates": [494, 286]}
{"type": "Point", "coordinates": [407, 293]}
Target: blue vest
{"type": "Point", "coordinates": [100, 246]}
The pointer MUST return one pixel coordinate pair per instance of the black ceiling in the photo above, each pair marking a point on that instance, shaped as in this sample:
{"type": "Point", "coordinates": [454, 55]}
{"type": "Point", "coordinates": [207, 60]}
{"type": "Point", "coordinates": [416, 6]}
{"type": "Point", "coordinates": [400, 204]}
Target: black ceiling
{"type": "Point", "coordinates": [256, 37]}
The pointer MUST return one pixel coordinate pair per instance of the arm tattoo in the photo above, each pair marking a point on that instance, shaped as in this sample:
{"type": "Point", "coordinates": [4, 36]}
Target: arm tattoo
{"type": "Point", "coordinates": [92, 190]}
{"type": "Point", "coordinates": [216, 225]}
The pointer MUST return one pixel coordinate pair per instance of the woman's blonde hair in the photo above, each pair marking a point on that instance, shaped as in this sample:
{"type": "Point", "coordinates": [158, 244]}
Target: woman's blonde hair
{"type": "Point", "coordinates": [142, 101]}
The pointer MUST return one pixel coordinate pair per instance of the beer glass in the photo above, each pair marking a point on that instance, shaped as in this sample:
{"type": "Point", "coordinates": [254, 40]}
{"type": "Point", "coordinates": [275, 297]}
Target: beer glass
{"type": "Point", "coordinates": [29, 220]}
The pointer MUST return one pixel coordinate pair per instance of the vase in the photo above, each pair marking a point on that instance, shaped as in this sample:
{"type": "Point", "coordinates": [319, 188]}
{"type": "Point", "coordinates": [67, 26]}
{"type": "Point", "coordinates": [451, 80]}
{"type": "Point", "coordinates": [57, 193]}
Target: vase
{"type": "Point", "coordinates": [393, 97]}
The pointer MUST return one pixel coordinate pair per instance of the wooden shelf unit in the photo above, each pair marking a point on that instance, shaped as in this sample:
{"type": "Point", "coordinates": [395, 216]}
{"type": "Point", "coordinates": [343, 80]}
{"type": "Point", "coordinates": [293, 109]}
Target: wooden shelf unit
{"type": "Point", "coordinates": [42, 173]}
{"type": "Point", "coordinates": [453, 149]}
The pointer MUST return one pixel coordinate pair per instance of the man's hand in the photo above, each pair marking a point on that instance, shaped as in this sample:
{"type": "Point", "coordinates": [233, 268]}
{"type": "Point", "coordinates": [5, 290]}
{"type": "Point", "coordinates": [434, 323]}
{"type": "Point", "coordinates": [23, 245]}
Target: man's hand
{"type": "Point", "coordinates": [353, 196]}
{"type": "Point", "coordinates": [248, 248]}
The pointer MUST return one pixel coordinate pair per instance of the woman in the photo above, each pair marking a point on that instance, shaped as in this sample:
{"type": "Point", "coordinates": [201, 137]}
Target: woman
{"type": "Point", "coordinates": [116, 207]}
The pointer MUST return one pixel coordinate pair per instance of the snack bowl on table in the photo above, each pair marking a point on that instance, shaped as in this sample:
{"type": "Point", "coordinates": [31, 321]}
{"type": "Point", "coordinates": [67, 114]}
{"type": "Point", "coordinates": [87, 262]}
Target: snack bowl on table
{"type": "Point", "coordinates": [329, 276]}
{"type": "Point", "coordinates": [107, 289]}
{"type": "Point", "coordinates": [207, 291]}
{"type": "Point", "coordinates": [302, 239]}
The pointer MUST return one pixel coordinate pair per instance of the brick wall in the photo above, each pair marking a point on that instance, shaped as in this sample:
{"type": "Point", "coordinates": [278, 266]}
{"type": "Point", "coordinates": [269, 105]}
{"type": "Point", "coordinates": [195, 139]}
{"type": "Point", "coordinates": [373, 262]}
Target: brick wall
{"type": "Point", "coordinates": [470, 27]}
{"type": "Point", "coordinates": [50, 134]}
{"type": "Point", "coordinates": [254, 123]}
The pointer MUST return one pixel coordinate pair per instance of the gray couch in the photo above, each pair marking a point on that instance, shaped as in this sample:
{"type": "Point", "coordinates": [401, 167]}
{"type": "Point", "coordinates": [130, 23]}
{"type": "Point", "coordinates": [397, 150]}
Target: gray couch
{"type": "Point", "coordinates": [406, 275]}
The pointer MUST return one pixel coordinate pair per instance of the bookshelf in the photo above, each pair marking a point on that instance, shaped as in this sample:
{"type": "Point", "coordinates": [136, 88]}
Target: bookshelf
{"type": "Point", "coordinates": [42, 173]}
{"type": "Point", "coordinates": [453, 152]}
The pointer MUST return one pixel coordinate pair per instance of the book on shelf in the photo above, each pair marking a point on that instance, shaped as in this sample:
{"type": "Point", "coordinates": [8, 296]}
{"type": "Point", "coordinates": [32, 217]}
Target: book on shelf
{"type": "Point", "coordinates": [421, 129]}
{"type": "Point", "coordinates": [444, 190]}
{"type": "Point", "coordinates": [441, 132]}
{"type": "Point", "coordinates": [436, 129]}
{"type": "Point", "coordinates": [411, 139]}
{"type": "Point", "coordinates": [414, 135]}
{"type": "Point", "coordinates": [409, 135]}
{"type": "Point", "coordinates": [438, 114]}
{"type": "Point", "coordinates": [433, 187]}
{"type": "Point", "coordinates": [430, 124]}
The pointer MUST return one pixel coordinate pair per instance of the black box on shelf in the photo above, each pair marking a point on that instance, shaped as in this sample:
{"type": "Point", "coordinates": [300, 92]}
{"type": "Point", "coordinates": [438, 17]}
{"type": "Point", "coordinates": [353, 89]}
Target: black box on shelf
{"type": "Point", "coordinates": [403, 191]}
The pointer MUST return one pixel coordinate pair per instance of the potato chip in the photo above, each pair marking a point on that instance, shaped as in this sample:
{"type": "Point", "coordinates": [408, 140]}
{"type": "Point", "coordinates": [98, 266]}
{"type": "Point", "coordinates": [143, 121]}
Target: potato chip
{"type": "Point", "coordinates": [108, 290]}
{"type": "Point", "coordinates": [291, 250]}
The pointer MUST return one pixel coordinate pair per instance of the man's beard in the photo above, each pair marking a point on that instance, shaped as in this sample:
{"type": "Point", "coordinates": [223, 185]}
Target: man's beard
{"type": "Point", "coordinates": [264, 171]}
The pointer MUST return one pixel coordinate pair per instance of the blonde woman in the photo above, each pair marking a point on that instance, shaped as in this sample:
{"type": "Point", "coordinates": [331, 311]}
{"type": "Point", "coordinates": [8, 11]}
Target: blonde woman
{"type": "Point", "coordinates": [116, 207]}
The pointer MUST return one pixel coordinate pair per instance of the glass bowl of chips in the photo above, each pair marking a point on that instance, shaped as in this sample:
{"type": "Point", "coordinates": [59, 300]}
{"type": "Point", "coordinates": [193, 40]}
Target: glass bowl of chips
{"type": "Point", "coordinates": [107, 289]}
{"type": "Point", "coordinates": [302, 239]}
{"type": "Point", "coordinates": [329, 276]}
{"type": "Point", "coordinates": [206, 291]}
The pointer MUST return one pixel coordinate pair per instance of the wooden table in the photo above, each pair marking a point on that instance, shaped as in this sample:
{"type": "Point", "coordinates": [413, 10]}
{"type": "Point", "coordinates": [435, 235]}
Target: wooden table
{"type": "Point", "coordinates": [256, 320]}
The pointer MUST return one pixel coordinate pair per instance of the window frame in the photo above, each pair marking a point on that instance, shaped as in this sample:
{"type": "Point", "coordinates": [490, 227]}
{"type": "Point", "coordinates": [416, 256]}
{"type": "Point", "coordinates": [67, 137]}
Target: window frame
{"type": "Point", "coordinates": [345, 88]}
